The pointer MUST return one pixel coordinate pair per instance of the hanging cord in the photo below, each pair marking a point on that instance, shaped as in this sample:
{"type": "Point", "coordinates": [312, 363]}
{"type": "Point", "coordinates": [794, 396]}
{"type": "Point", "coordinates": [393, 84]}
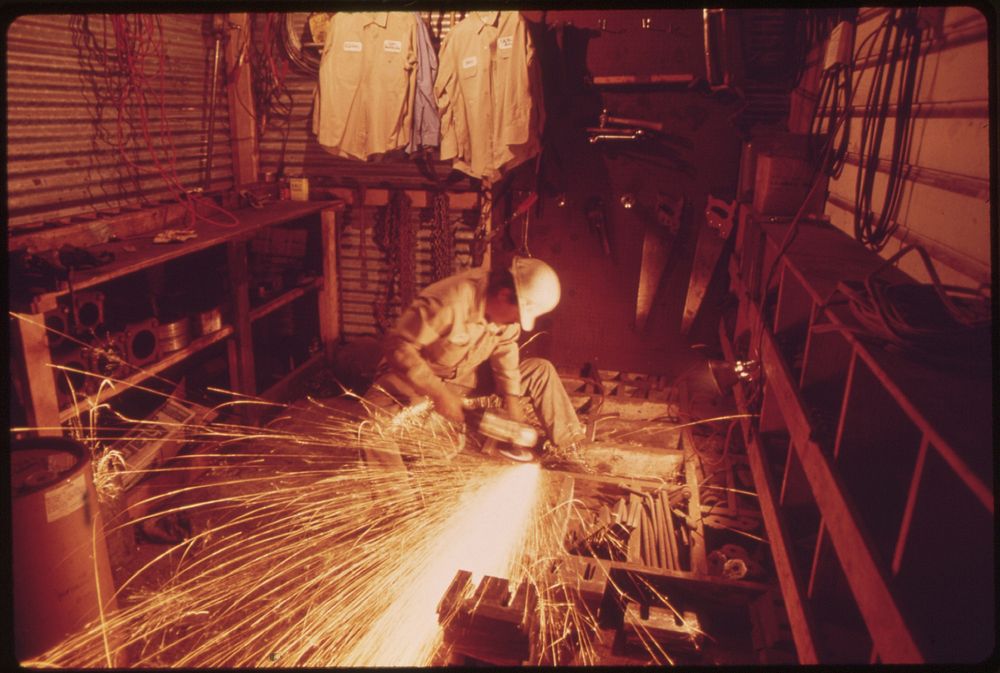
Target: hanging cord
{"type": "Point", "coordinates": [135, 40]}
{"type": "Point", "coordinates": [833, 114]}
{"type": "Point", "coordinates": [900, 48]}
{"type": "Point", "coordinates": [942, 324]}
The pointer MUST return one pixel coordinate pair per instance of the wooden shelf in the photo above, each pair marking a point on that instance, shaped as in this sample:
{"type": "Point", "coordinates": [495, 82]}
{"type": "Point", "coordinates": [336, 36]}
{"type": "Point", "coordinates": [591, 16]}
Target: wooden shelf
{"type": "Point", "coordinates": [144, 253]}
{"type": "Point", "coordinates": [284, 299]}
{"type": "Point", "coordinates": [199, 344]}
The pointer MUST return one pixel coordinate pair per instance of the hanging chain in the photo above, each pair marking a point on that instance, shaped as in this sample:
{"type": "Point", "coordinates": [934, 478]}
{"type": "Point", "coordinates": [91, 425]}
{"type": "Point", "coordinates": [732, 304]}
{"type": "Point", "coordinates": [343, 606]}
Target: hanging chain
{"type": "Point", "coordinates": [479, 238]}
{"type": "Point", "coordinates": [442, 239]}
{"type": "Point", "coordinates": [396, 237]}
{"type": "Point", "coordinates": [359, 205]}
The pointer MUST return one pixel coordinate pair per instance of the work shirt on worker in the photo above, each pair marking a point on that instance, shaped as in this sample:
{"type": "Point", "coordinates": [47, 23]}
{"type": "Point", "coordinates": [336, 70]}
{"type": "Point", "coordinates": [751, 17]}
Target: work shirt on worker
{"type": "Point", "coordinates": [488, 91]}
{"type": "Point", "coordinates": [367, 79]}
{"type": "Point", "coordinates": [444, 335]}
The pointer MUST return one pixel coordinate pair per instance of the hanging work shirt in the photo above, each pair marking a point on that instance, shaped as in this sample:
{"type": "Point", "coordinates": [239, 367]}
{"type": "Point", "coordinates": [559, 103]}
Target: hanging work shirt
{"type": "Point", "coordinates": [488, 92]}
{"type": "Point", "coordinates": [426, 122]}
{"type": "Point", "coordinates": [444, 334]}
{"type": "Point", "coordinates": [367, 79]}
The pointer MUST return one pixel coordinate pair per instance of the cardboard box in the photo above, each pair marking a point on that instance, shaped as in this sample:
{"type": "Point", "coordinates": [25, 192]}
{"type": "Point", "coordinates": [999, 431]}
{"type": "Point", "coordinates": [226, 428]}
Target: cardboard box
{"type": "Point", "coordinates": [775, 143]}
{"type": "Point", "coordinates": [782, 184]}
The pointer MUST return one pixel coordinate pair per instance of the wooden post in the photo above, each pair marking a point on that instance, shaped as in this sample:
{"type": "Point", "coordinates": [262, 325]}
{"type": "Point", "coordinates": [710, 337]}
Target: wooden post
{"type": "Point", "coordinates": [42, 403]}
{"type": "Point", "coordinates": [242, 124]}
{"type": "Point", "coordinates": [239, 277]}
{"type": "Point", "coordinates": [329, 294]}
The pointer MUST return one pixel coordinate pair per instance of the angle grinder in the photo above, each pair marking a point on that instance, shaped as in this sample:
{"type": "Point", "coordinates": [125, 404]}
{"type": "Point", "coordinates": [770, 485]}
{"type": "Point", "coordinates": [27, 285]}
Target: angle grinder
{"type": "Point", "coordinates": [505, 437]}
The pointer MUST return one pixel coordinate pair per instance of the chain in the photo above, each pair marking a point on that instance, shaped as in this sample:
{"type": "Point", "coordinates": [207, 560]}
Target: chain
{"type": "Point", "coordinates": [479, 238]}
{"type": "Point", "coordinates": [442, 238]}
{"type": "Point", "coordinates": [396, 237]}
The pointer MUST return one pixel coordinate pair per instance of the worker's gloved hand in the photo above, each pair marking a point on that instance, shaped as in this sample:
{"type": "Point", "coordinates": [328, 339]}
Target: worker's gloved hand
{"type": "Point", "coordinates": [449, 405]}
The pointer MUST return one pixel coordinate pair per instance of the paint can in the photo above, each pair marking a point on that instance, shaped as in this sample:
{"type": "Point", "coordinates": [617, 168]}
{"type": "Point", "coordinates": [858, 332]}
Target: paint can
{"type": "Point", "coordinates": [62, 575]}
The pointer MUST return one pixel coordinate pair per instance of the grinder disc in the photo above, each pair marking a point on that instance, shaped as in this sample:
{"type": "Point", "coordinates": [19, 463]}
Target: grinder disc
{"type": "Point", "coordinates": [516, 454]}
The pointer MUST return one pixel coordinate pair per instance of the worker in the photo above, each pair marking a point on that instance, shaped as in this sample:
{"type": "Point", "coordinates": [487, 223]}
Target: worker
{"type": "Point", "coordinates": [456, 324]}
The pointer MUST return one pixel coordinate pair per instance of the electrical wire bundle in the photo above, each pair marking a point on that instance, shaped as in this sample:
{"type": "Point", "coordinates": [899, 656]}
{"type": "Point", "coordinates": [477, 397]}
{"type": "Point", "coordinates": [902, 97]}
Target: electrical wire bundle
{"type": "Point", "coordinates": [832, 115]}
{"type": "Point", "coordinates": [899, 49]}
{"type": "Point", "coordinates": [269, 68]}
{"type": "Point", "coordinates": [139, 98]}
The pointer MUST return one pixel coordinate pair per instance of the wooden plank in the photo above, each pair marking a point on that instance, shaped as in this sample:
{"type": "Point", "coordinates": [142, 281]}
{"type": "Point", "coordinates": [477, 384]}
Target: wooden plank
{"type": "Point", "coordinates": [143, 253]}
{"type": "Point", "coordinates": [717, 589]}
{"type": "Point", "coordinates": [279, 391]}
{"type": "Point", "coordinates": [242, 116]}
{"type": "Point", "coordinates": [42, 402]}
{"type": "Point", "coordinates": [239, 279]}
{"type": "Point", "coordinates": [419, 198]}
{"type": "Point", "coordinates": [329, 296]}
{"type": "Point", "coordinates": [199, 344]}
{"type": "Point", "coordinates": [284, 299]}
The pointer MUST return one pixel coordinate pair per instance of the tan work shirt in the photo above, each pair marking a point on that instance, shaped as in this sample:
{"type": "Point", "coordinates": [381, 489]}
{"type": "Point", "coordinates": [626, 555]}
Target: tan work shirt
{"type": "Point", "coordinates": [367, 79]}
{"type": "Point", "coordinates": [489, 95]}
{"type": "Point", "coordinates": [444, 334]}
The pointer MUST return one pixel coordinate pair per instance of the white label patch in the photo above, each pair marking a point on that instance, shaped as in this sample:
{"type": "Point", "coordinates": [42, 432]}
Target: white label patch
{"type": "Point", "coordinates": [65, 498]}
{"type": "Point", "coordinates": [352, 46]}
{"type": "Point", "coordinates": [469, 62]}
{"type": "Point", "coordinates": [394, 46]}
{"type": "Point", "coordinates": [506, 42]}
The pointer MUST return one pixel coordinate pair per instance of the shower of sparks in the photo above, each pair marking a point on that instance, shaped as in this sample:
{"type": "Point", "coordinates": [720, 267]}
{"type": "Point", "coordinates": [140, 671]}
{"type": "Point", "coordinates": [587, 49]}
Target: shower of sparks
{"type": "Point", "coordinates": [301, 555]}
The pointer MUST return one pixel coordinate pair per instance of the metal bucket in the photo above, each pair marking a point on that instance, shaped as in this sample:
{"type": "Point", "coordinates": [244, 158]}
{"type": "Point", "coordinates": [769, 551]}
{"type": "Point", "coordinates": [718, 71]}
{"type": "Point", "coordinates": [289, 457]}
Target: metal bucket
{"type": "Point", "coordinates": [61, 570]}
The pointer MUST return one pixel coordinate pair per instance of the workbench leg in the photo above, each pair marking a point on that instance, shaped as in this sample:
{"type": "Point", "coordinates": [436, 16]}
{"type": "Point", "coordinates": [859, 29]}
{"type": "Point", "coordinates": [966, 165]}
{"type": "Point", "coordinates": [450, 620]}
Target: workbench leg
{"type": "Point", "coordinates": [329, 295]}
{"type": "Point", "coordinates": [239, 277]}
{"type": "Point", "coordinates": [42, 403]}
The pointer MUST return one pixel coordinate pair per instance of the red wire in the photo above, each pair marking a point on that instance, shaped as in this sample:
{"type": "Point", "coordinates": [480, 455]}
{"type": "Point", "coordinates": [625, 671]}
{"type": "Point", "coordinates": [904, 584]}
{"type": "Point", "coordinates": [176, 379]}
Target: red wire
{"type": "Point", "coordinates": [132, 51]}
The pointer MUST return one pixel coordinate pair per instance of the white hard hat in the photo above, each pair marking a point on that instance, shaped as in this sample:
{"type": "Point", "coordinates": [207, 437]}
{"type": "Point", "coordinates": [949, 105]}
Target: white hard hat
{"type": "Point", "coordinates": [537, 288]}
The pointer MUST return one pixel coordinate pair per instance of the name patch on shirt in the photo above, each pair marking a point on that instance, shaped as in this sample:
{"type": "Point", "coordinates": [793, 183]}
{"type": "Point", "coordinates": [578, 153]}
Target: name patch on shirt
{"type": "Point", "coordinates": [469, 62]}
{"type": "Point", "coordinates": [352, 46]}
{"type": "Point", "coordinates": [394, 46]}
{"type": "Point", "coordinates": [505, 42]}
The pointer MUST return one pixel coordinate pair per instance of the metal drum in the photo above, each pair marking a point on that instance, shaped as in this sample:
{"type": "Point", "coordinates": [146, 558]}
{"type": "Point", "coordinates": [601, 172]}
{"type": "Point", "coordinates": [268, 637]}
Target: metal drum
{"type": "Point", "coordinates": [61, 569]}
{"type": "Point", "coordinates": [174, 335]}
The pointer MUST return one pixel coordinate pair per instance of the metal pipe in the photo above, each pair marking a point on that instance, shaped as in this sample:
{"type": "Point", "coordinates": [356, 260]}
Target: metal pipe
{"type": "Point", "coordinates": [218, 26]}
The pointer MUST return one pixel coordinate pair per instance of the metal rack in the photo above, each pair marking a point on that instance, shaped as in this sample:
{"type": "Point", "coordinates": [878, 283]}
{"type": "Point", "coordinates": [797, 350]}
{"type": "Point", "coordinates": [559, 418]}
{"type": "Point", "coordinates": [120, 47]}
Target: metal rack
{"type": "Point", "coordinates": [873, 469]}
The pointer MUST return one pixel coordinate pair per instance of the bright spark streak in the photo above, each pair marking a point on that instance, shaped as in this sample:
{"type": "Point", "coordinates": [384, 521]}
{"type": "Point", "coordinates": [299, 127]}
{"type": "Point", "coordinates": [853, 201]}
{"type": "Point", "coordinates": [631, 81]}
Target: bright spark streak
{"type": "Point", "coordinates": [484, 536]}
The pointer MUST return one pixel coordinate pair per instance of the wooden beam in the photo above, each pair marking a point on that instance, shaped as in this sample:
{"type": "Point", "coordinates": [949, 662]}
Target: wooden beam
{"type": "Point", "coordinates": [329, 295]}
{"type": "Point", "coordinates": [239, 277]}
{"type": "Point", "coordinates": [242, 124]}
{"type": "Point", "coordinates": [42, 403]}
{"type": "Point", "coordinates": [419, 198]}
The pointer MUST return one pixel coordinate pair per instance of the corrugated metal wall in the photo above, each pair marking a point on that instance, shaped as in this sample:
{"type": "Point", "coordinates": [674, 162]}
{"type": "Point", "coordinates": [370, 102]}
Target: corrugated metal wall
{"type": "Point", "coordinates": [945, 199]}
{"type": "Point", "coordinates": [65, 127]}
